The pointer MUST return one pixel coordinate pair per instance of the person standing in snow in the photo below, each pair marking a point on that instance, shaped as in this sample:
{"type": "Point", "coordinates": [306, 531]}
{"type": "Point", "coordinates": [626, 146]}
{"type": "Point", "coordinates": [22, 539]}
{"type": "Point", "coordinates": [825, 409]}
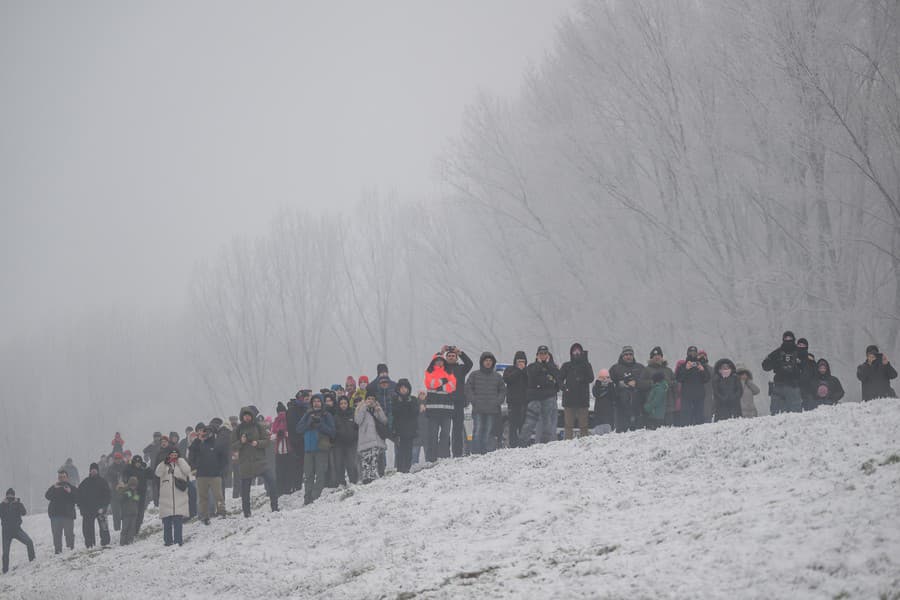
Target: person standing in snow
{"type": "Point", "coordinates": [543, 385]}
{"type": "Point", "coordinates": [727, 390]}
{"type": "Point", "coordinates": [118, 443]}
{"type": "Point", "coordinates": [208, 459]}
{"type": "Point", "coordinates": [406, 424]}
{"type": "Point", "coordinates": [604, 392]}
{"type": "Point", "coordinates": [516, 391]}
{"type": "Point", "coordinates": [658, 364]}
{"type": "Point", "coordinates": [693, 377]}
{"type": "Point", "coordinates": [748, 391]}
{"type": "Point", "coordinates": [72, 471]}
{"type": "Point", "coordinates": [825, 388]}
{"type": "Point", "coordinates": [789, 366]}
{"type": "Point", "coordinates": [62, 496]}
{"type": "Point", "coordinates": [440, 383]}
{"type": "Point", "coordinates": [359, 396]}
{"type": "Point", "coordinates": [655, 402]}
{"type": "Point", "coordinates": [174, 473]}
{"type": "Point", "coordinates": [371, 442]}
{"type": "Point", "coordinates": [575, 377]}
{"type": "Point", "coordinates": [875, 375]}
{"type": "Point", "coordinates": [130, 501]}
{"type": "Point", "coordinates": [317, 429]}
{"type": "Point", "coordinates": [459, 371]}
{"type": "Point", "coordinates": [113, 478]}
{"type": "Point", "coordinates": [11, 512]}
{"type": "Point", "coordinates": [485, 391]}
{"type": "Point", "coordinates": [142, 473]}
{"type": "Point", "coordinates": [93, 498]}
{"type": "Point", "coordinates": [346, 433]}
{"type": "Point", "coordinates": [625, 374]}
{"type": "Point", "coordinates": [807, 396]}
{"type": "Point", "coordinates": [284, 456]}
{"type": "Point", "coordinates": [418, 443]}
{"type": "Point", "coordinates": [249, 441]}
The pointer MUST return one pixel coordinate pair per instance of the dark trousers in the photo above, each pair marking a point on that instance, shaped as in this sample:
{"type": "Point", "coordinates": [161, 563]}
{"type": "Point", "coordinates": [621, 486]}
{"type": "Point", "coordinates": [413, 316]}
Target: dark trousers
{"type": "Point", "coordinates": [142, 506]}
{"type": "Point", "coordinates": [87, 529]}
{"type": "Point", "coordinates": [438, 443]}
{"type": "Point", "coordinates": [129, 528]}
{"type": "Point", "coordinates": [271, 490]}
{"type": "Point", "coordinates": [116, 507]}
{"type": "Point", "coordinates": [516, 420]}
{"type": "Point", "coordinates": [59, 526]}
{"type": "Point", "coordinates": [315, 467]}
{"type": "Point", "coordinates": [403, 452]}
{"type": "Point", "coordinates": [458, 432]}
{"type": "Point", "coordinates": [345, 461]}
{"type": "Point", "coordinates": [283, 465]}
{"type": "Point", "coordinates": [192, 498]}
{"type": "Point", "coordinates": [8, 537]}
{"type": "Point", "coordinates": [235, 478]}
{"type": "Point", "coordinates": [172, 530]}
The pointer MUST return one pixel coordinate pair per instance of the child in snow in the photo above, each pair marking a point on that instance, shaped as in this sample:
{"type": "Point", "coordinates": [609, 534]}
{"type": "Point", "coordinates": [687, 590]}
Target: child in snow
{"type": "Point", "coordinates": [130, 500]}
{"type": "Point", "coordinates": [748, 390]}
{"type": "Point", "coordinates": [655, 405]}
{"type": "Point", "coordinates": [370, 445]}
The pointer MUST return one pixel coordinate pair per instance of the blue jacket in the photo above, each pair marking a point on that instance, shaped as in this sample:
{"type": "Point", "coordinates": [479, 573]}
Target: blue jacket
{"type": "Point", "coordinates": [316, 437]}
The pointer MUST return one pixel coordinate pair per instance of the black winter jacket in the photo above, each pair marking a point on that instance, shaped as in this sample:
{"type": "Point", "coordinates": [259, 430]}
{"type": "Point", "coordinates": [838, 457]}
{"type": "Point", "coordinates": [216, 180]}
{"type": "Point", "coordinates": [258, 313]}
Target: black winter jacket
{"type": "Point", "coordinates": [789, 364]}
{"type": "Point", "coordinates": [93, 495]}
{"type": "Point", "coordinates": [11, 514]}
{"type": "Point", "coordinates": [208, 457]}
{"type": "Point", "coordinates": [460, 369]}
{"type": "Point", "coordinates": [543, 380]}
{"type": "Point", "coordinates": [406, 416]}
{"type": "Point", "coordinates": [876, 380]}
{"type": "Point", "coordinates": [516, 385]}
{"type": "Point", "coordinates": [575, 377]}
{"type": "Point", "coordinates": [345, 427]}
{"type": "Point", "coordinates": [63, 498]}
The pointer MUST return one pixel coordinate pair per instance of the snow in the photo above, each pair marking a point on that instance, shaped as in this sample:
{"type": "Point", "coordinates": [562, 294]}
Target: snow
{"type": "Point", "coordinates": [799, 505]}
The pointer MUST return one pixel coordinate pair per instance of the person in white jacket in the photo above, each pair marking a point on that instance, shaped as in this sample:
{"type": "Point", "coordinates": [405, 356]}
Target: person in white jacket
{"type": "Point", "coordinates": [174, 475]}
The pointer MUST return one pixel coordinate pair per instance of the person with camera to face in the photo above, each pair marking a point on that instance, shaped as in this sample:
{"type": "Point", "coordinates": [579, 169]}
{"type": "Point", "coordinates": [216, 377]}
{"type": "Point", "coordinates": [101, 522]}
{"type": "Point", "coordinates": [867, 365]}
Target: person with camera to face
{"type": "Point", "coordinates": [790, 366]}
{"type": "Point", "coordinates": [174, 474]}
{"type": "Point", "coordinates": [93, 498]}
{"type": "Point", "coordinates": [876, 374]}
{"type": "Point", "coordinates": [62, 496]}
{"type": "Point", "coordinates": [541, 411]}
{"type": "Point", "coordinates": [459, 370]}
{"type": "Point", "coordinates": [628, 406]}
{"type": "Point", "coordinates": [318, 431]}
{"type": "Point", "coordinates": [370, 443]}
{"type": "Point", "coordinates": [11, 512]}
{"type": "Point", "coordinates": [693, 377]}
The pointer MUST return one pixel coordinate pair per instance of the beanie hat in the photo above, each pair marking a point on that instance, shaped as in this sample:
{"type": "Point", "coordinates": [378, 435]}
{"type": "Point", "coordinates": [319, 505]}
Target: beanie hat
{"type": "Point", "coordinates": [315, 397]}
{"type": "Point", "coordinates": [803, 342]}
{"type": "Point", "coordinates": [404, 383]}
{"type": "Point", "coordinates": [350, 381]}
{"type": "Point", "coordinates": [363, 380]}
{"type": "Point", "coordinates": [627, 349]}
{"type": "Point", "coordinates": [691, 349]}
{"type": "Point", "coordinates": [520, 355]}
{"type": "Point", "coordinates": [657, 351]}
{"type": "Point", "coordinates": [173, 450]}
{"type": "Point", "coordinates": [280, 407]}
{"type": "Point", "coordinates": [788, 335]}
{"type": "Point", "coordinates": [94, 466]}
{"type": "Point", "coordinates": [132, 481]}
{"type": "Point", "coordinates": [381, 369]}
{"type": "Point", "coordinates": [543, 348]}
{"type": "Point", "coordinates": [371, 394]}
{"type": "Point", "coordinates": [871, 349]}
{"type": "Point", "coordinates": [10, 492]}
{"type": "Point", "coordinates": [215, 422]}
{"type": "Point", "coordinates": [335, 387]}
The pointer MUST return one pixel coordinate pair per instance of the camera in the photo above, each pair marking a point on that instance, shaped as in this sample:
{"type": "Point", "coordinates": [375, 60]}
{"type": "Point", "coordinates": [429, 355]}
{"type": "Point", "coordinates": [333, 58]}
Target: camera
{"type": "Point", "coordinates": [879, 357]}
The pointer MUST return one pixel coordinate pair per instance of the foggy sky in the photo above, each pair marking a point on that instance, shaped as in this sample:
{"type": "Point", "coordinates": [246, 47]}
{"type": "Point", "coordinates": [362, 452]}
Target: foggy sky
{"type": "Point", "coordinates": [136, 138]}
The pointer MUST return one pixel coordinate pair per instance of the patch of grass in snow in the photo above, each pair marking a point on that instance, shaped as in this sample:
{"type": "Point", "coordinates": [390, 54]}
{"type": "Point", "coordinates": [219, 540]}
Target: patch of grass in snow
{"type": "Point", "coordinates": [868, 467]}
{"type": "Point", "coordinates": [891, 595]}
{"type": "Point", "coordinates": [842, 596]}
{"type": "Point", "coordinates": [893, 459]}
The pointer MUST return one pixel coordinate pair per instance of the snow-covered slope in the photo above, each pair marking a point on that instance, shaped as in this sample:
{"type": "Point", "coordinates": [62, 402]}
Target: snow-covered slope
{"type": "Point", "coordinates": [793, 506]}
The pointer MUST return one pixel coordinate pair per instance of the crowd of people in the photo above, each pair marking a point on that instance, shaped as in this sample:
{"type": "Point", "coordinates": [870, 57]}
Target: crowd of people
{"type": "Point", "coordinates": [340, 435]}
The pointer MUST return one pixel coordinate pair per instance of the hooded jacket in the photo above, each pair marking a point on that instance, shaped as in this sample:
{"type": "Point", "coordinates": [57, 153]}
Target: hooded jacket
{"type": "Point", "coordinates": [142, 474]}
{"type": "Point", "coordinates": [575, 377]}
{"type": "Point", "coordinates": [727, 391]}
{"type": "Point", "coordinates": [825, 389]}
{"type": "Point", "coordinates": [516, 382]}
{"type": "Point", "coordinates": [173, 501]}
{"type": "Point", "coordinates": [406, 412]}
{"type": "Point", "coordinates": [485, 389]}
{"type": "Point", "coordinates": [645, 382]}
{"type": "Point", "coordinates": [384, 396]}
{"type": "Point", "coordinates": [207, 457]}
{"type": "Point", "coordinates": [748, 390]}
{"type": "Point", "coordinates": [543, 380]}
{"type": "Point", "coordinates": [440, 384]}
{"type": "Point", "coordinates": [345, 428]}
{"type": "Point", "coordinates": [251, 459]}
{"type": "Point", "coordinates": [317, 429]}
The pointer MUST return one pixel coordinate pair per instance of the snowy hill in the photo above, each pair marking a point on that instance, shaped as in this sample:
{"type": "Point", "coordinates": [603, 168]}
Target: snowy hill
{"type": "Point", "coordinates": [798, 506]}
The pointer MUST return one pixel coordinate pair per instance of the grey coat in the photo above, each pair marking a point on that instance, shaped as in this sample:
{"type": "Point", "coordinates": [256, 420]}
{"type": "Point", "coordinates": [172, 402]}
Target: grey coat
{"type": "Point", "coordinates": [485, 391]}
{"type": "Point", "coordinates": [368, 435]}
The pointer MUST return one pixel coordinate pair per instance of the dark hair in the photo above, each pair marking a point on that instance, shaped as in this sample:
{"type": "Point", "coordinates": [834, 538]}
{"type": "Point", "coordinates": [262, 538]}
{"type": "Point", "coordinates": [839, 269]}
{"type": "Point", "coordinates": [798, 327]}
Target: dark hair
{"type": "Point", "coordinates": [434, 360]}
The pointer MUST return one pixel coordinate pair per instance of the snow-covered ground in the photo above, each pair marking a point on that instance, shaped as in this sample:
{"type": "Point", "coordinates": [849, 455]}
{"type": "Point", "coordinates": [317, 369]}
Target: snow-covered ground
{"type": "Point", "coordinates": [793, 506]}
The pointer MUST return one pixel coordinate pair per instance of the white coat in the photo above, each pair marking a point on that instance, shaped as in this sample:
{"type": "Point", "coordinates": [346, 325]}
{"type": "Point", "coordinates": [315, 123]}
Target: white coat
{"type": "Point", "coordinates": [173, 501]}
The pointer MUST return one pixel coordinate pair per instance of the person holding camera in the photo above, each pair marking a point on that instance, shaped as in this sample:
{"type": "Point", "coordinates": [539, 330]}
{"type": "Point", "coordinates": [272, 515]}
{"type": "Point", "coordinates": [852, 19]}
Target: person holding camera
{"type": "Point", "coordinates": [625, 375]}
{"type": "Point", "coordinates": [11, 512]}
{"type": "Point", "coordinates": [790, 365]}
{"type": "Point", "coordinates": [174, 474]}
{"type": "Point", "coordinates": [459, 370]}
{"type": "Point", "coordinates": [317, 429]}
{"type": "Point", "coordinates": [876, 374]}
{"type": "Point", "coordinates": [373, 428]}
{"type": "Point", "coordinates": [346, 433]}
{"type": "Point", "coordinates": [249, 441]}
{"type": "Point", "coordinates": [62, 496]}
{"type": "Point", "coordinates": [440, 384]}
{"type": "Point", "coordinates": [93, 498]}
{"type": "Point", "coordinates": [543, 385]}
{"type": "Point", "coordinates": [140, 471]}
{"type": "Point", "coordinates": [516, 391]}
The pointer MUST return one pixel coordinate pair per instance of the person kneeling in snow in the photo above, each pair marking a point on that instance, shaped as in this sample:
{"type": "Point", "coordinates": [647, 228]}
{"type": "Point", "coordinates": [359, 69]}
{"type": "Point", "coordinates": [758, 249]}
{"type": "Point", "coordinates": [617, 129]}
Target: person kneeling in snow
{"type": "Point", "coordinates": [370, 445]}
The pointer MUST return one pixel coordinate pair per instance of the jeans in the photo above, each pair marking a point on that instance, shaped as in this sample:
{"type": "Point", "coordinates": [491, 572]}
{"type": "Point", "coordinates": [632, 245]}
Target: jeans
{"type": "Point", "coordinates": [209, 487]}
{"type": "Point", "coordinates": [516, 420]}
{"type": "Point", "coordinates": [129, 528]}
{"type": "Point", "coordinates": [8, 537]}
{"type": "Point", "coordinates": [345, 461]}
{"type": "Point", "coordinates": [416, 453]}
{"type": "Point", "coordinates": [315, 466]}
{"type": "Point", "coordinates": [438, 444]}
{"type": "Point", "coordinates": [271, 490]}
{"type": "Point", "coordinates": [540, 421]}
{"type": "Point", "coordinates": [87, 529]}
{"type": "Point", "coordinates": [483, 439]}
{"type": "Point", "coordinates": [785, 398]}
{"type": "Point", "coordinates": [58, 526]}
{"type": "Point", "coordinates": [172, 525]}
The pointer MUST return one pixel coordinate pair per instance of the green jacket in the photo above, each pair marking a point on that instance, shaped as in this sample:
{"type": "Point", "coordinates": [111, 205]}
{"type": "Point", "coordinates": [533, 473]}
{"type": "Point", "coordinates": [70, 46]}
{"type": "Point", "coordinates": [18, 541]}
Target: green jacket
{"type": "Point", "coordinates": [251, 459]}
{"type": "Point", "coordinates": [655, 406]}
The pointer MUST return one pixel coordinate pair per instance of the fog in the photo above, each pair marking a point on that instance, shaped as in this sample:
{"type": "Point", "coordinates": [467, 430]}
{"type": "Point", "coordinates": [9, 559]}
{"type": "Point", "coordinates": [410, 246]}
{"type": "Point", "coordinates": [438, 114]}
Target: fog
{"type": "Point", "coordinates": [211, 205]}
